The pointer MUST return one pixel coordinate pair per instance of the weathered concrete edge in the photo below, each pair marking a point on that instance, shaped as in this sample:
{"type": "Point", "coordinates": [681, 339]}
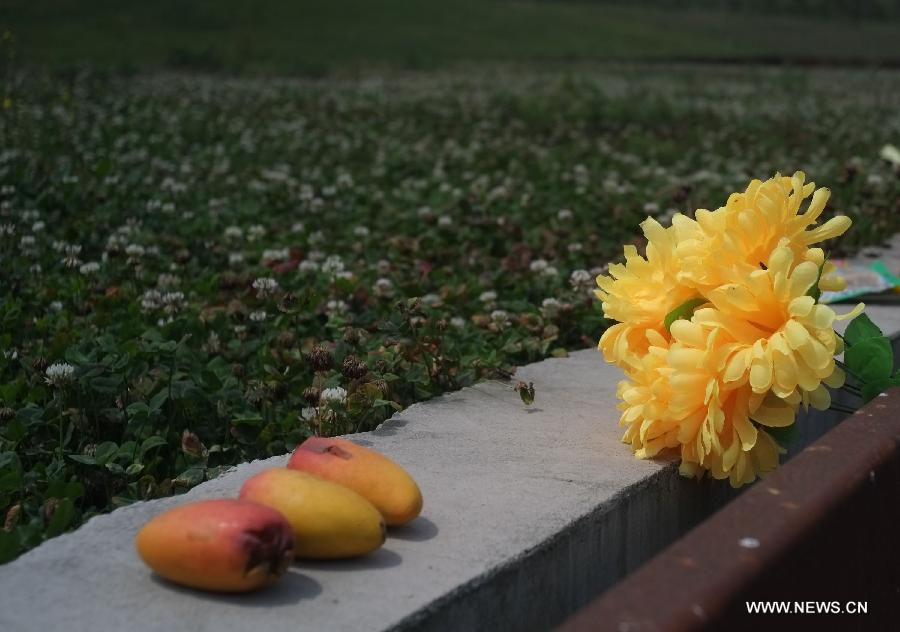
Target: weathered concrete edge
{"type": "Point", "coordinates": [513, 595]}
{"type": "Point", "coordinates": [823, 527]}
{"type": "Point", "coordinates": [543, 584]}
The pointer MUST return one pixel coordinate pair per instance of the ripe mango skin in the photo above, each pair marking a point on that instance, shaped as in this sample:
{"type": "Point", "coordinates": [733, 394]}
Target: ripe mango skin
{"type": "Point", "coordinates": [222, 545]}
{"type": "Point", "coordinates": [329, 520]}
{"type": "Point", "coordinates": [370, 474]}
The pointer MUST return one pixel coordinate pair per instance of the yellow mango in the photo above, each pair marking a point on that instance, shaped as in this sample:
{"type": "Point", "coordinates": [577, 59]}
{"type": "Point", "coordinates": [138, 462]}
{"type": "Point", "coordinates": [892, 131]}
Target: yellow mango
{"type": "Point", "coordinates": [329, 520]}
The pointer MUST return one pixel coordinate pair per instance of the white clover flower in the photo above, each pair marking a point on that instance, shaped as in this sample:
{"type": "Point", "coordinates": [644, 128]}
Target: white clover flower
{"type": "Point", "coordinates": [315, 255]}
{"type": "Point", "coordinates": [135, 251]}
{"type": "Point", "coordinates": [445, 221]}
{"type": "Point", "coordinates": [549, 307]}
{"type": "Point", "coordinates": [276, 254]}
{"type": "Point", "coordinates": [580, 279]}
{"type": "Point", "coordinates": [383, 266]}
{"type": "Point", "coordinates": [256, 231]}
{"type": "Point", "coordinates": [89, 268]}
{"type": "Point", "coordinates": [333, 265]}
{"type": "Point", "coordinates": [168, 207]}
{"type": "Point", "coordinates": [431, 300]}
{"type": "Point", "coordinates": [500, 318]}
{"type": "Point", "coordinates": [316, 237]}
{"type": "Point", "coordinates": [36, 268]}
{"type": "Point", "coordinates": [7, 229]}
{"type": "Point", "coordinates": [234, 232]}
{"type": "Point", "coordinates": [258, 316]}
{"type": "Point", "coordinates": [564, 214]}
{"type": "Point", "coordinates": [172, 302]}
{"type": "Point", "coordinates": [308, 412]}
{"type": "Point", "coordinates": [651, 208]}
{"type": "Point", "coordinates": [308, 266]}
{"type": "Point", "coordinates": [38, 227]}
{"type": "Point", "coordinates": [235, 258]}
{"type": "Point", "coordinates": [550, 271]}
{"type": "Point", "coordinates": [165, 280]}
{"type": "Point", "coordinates": [345, 275]}
{"type": "Point", "coordinates": [59, 374]}
{"type": "Point", "coordinates": [71, 259]}
{"type": "Point", "coordinates": [336, 394]}
{"type": "Point", "coordinates": [265, 286]}
{"type": "Point", "coordinates": [336, 307]}
{"type": "Point", "coordinates": [297, 227]}
{"type": "Point", "coordinates": [56, 306]}
{"type": "Point", "coordinates": [458, 322]}
{"type": "Point", "coordinates": [538, 265]}
{"type": "Point", "coordinates": [488, 296]}
{"type": "Point", "coordinates": [27, 241]}
{"type": "Point", "coordinates": [384, 288]}
{"type": "Point", "coordinates": [151, 300]}
{"type": "Point", "coordinates": [425, 212]}
{"type": "Point", "coordinates": [361, 231]}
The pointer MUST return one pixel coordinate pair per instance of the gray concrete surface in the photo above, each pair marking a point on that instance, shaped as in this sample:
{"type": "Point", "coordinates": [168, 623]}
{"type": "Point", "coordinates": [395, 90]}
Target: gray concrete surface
{"type": "Point", "coordinates": [528, 513]}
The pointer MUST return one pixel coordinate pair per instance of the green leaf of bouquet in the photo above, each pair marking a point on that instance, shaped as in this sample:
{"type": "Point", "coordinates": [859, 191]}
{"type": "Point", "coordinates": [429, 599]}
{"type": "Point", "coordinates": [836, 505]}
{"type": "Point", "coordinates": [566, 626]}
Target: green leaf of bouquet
{"type": "Point", "coordinates": [814, 290]}
{"type": "Point", "coordinates": [871, 359]}
{"type": "Point", "coordinates": [871, 390]}
{"type": "Point", "coordinates": [683, 311]}
{"type": "Point", "coordinates": [861, 328]}
{"type": "Point", "coordinates": [784, 435]}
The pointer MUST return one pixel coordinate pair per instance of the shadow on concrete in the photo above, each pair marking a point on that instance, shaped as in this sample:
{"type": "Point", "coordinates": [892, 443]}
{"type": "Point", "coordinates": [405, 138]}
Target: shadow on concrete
{"type": "Point", "coordinates": [382, 558]}
{"type": "Point", "coordinates": [390, 427]}
{"type": "Point", "coordinates": [418, 530]}
{"type": "Point", "coordinates": [531, 411]}
{"type": "Point", "coordinates": [292, 588]}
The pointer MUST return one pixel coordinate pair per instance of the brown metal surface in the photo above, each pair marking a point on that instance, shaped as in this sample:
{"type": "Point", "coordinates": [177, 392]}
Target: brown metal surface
{"type": "Point", "coordinates": [825, 527]}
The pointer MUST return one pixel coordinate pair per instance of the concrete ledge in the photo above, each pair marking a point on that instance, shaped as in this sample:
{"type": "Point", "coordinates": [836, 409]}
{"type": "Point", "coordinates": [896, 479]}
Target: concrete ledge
{"type": "Point", "coordinates": [528, 514]}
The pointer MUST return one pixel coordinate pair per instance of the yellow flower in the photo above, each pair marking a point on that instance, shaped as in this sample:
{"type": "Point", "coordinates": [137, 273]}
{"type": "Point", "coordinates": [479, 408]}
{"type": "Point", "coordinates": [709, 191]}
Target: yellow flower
{"type": "Point", "coordinates": [716, 418]}
{"type": "Point", "coordinates": [639, 294]}
{"type": "Point", "coordinates": [645, 400]}
{"type": "Point", "coordinates": [787, 340]}
{"type": "Point", "coordinates": [675, 398]}
{"type": "Point", "coordinates": [735, 239]}
{"type": "Point", "coordinates": [756, 346]}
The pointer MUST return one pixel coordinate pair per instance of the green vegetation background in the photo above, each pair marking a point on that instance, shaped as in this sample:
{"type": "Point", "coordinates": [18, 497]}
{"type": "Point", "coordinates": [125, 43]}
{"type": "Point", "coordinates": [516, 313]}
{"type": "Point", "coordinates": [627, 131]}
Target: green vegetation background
{"type": "Point", "coordinates": [316, 37]}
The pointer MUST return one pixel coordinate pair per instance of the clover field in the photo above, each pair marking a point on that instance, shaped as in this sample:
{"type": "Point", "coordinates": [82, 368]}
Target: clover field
{"type": "Point", "coordinates": [197, 272]}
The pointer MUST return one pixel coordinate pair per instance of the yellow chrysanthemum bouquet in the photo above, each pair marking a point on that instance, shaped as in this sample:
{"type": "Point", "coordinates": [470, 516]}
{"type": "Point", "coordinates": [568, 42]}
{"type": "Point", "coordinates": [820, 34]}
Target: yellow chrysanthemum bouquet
{"type": "Point", "coordinates": [719, 330]}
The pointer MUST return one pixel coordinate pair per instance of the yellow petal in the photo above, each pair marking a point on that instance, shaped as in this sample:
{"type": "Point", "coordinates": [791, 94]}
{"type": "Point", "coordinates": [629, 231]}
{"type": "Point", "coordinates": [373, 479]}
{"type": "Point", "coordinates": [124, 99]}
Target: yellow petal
{"type": "Point", "coordinates": [834, 227]}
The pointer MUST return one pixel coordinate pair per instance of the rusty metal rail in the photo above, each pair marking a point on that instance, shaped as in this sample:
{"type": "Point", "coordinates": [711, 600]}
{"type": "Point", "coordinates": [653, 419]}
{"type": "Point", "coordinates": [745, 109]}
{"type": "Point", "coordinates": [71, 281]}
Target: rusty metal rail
{"type": "Point", "coordinates": [824, 528]}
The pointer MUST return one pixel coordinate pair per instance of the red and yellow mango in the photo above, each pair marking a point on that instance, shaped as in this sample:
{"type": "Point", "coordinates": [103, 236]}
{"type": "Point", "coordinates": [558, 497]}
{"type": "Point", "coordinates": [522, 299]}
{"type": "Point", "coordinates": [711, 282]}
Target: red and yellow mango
{"type": "Point", "coordinates": [219, 545]}
{"type": "Point", "coordinates": [372, 475]}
